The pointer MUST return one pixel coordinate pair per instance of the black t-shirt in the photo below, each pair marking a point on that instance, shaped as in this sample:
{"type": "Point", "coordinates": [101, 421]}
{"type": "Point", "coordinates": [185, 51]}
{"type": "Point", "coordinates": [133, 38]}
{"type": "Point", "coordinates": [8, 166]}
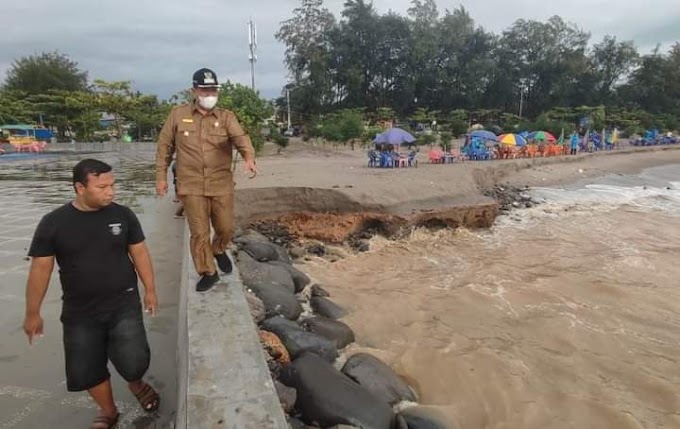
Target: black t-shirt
{"type": "Point", "coordinates": [91, 249]}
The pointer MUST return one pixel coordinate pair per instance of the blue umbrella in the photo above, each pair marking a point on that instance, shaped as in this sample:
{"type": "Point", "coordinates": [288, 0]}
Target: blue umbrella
{"type": "Point", "coordinates": [394, 136]}
{"type": "Point", "coordinates": [484, 135]}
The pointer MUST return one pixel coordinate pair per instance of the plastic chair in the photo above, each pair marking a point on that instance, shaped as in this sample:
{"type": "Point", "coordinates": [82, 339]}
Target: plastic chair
{"type": "Point", "coordinates": [373, 159]}
{"type": "Point", "coordinates": [412, 161]}
{"type": "Point", "coordinates": [386, 160]}
{"type": "Point", "coordinates": [435, 156]}
{"type": "Point", "coordinates": [457, 155]}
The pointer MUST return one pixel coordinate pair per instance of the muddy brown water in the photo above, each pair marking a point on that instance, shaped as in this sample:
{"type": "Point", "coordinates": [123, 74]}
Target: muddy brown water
{"type": "Point", "coordinates": [566, 315]}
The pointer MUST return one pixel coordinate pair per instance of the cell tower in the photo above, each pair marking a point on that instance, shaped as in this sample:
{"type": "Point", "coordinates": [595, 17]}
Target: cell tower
{"type": "Point", "coordinates": [252, 44]}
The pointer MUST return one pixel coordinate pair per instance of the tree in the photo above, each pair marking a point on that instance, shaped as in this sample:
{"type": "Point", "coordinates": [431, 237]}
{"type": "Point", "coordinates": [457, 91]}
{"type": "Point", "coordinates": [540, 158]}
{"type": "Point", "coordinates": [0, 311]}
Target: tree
{"type": "Point", "coordinates": [38, 74]}
{"type": "Point", "coordinates": [183, 96]}
{"type": "Point", "coordinates": [55, 111]}
{"type": "Point", "coordinates": [14, 109]}
{"type": "Point", "coordinates": [250, 109]}
{"type": "Point", "coordinates": [389, 80]}
{"type": "Point", "coordinates": [424, 12]}
{"type": "Point", "coordinates": [343, 127]}
{"type": "Point", "coordinates": [117, 99]}
{"type": "Point", "coordinates": [351, 126]}
{"type": "Point", "coordinates": [445, 62]}
{"type": "Point", "coordinates": [445, 140]}
{"type": "Point", "coordinates": [655, 85]}
{"type": "Point", "coordinates": [613, 61]}
{"type": "Point", "coordinates": [385, 113]}
{"type": "Point", "coordinates": [544, 58]}
{"type": "Point", "coordinates": [82, 113]}
{"type": "Point", "coordinates": [306, 36]}
{"type": "Point", "coordinates": [356, 45]}
{"type": "Point", "coordinates": [422, 115]}
{"type": "Point", "coordinates": [423, 54]}
{"type": "Point", "coordinates": [459, 123]}
{"type": "Point", "coordinates": [466, 65]}
{"type": "Point", "coordinates": [280, 140]}
{"type": "Point", "coordinates": [148, 115]}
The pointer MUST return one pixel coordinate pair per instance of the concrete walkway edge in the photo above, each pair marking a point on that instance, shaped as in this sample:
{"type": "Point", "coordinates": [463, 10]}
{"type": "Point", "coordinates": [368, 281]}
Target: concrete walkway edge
{"type": "Point", "coordinates": [224, 381]}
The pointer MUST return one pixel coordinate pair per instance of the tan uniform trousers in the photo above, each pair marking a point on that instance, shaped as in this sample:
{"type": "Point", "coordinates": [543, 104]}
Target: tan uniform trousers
{"type": "Point", "coordinates": [200, 212]}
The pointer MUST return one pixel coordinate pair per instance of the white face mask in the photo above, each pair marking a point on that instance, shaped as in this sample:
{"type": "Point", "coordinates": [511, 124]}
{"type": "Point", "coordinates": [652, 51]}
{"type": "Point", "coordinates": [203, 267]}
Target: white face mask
{"type": "Point", "coordinates": [207, 102]}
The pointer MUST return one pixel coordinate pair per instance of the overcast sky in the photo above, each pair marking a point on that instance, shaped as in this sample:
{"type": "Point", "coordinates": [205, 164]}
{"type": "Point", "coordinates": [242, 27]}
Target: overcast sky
{"type": "Point", "coordinates": [158, 44]}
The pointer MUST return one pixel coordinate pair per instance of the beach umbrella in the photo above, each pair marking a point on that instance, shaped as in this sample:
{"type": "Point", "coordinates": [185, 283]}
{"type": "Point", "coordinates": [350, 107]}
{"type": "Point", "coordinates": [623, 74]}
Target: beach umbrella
{"type": "Point", "coordinates": [484, 135]}
{"type": "Point", "coordinates": [512, 140]}
{"type": "Point", "coordinates": [476, 127]}
{"type": "Point", "coordinates": [395, 136]}
{"type": "Point", "coordinates": [542, 136]}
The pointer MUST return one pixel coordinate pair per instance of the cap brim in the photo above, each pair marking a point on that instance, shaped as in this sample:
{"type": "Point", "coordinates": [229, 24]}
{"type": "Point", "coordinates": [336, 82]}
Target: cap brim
{"type": "Point", "coordinates": [206, 86]}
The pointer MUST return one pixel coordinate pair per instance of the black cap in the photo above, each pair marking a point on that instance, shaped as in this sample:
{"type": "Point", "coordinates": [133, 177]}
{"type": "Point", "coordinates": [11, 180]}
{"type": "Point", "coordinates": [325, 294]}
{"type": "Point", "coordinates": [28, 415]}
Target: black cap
{"type": "Point", "coordinates": [205, 78]}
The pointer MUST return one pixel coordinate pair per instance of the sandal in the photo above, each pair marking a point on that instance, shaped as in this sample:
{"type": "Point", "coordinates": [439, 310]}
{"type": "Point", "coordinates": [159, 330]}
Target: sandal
{"type": "Point", "coordinates": [105, 422]}
{"type": "Point", "coordinates": [148, 398]}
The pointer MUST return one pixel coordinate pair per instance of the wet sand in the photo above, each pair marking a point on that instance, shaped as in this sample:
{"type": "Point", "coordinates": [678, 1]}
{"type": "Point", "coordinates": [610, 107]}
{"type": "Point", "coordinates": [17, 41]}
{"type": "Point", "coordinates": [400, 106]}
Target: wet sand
{"type": "Point", "coordinates": [349, 185]}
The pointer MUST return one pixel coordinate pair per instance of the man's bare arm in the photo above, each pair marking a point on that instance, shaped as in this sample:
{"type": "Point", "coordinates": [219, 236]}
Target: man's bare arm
{"type": "Point", "coordinates": [36, 288]}
{"type": "Point", "coordinates": [141, 258]}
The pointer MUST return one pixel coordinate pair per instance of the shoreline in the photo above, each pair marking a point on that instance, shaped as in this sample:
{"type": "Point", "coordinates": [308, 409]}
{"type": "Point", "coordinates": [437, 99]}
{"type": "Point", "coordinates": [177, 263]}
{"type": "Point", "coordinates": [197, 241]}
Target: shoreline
{"type": "Point", "coordinates": [351, 200]}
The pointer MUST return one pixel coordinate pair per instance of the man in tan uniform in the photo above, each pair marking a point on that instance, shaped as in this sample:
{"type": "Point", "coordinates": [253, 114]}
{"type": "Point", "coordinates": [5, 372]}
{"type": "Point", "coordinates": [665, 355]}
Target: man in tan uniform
{"type": "Point", "coordinates": [204, 136]}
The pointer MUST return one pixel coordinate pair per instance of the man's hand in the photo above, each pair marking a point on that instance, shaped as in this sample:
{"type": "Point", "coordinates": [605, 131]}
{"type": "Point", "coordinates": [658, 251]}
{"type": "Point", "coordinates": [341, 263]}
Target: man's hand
{"type": "Point", "coordinates": [33, 326]}
{"type": "Point", "coordinates": [150, 302]}
{"type": "Point", "coordinates": [251, 168]}
{"type": "Point", "coordinates": [161, 187]}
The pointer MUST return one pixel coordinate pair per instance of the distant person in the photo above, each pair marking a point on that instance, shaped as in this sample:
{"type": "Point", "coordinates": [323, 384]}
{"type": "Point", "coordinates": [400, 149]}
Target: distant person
{"type": "Point", "coordinates": [99, 246]}
{"type": "Point", "coordinates": [204, 136]}
{"type": "Point", "coordinates": [574, 143]}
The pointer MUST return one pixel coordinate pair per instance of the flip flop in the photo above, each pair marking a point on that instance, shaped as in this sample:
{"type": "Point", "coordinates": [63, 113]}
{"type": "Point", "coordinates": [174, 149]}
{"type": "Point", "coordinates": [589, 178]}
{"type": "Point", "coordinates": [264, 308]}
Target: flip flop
{"type": "Point", "coordinates": [105, 422]}
{"type": "Point", "coordinates": [148, 398]}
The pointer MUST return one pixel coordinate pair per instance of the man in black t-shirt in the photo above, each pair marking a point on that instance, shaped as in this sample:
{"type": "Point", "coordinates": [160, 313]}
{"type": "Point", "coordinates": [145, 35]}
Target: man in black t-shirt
{"type": "Point", "coordinates": [99, 247]}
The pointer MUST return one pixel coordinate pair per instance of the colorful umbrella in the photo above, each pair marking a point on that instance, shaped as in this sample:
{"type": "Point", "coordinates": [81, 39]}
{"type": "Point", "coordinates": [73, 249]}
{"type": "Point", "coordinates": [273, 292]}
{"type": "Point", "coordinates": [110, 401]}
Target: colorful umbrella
{"type": "Point", "coordinates": [484, 135]}
{"type": "Point", "coordinates": [512, 140]}
{"type": "Point", "coordinates": [394, 136]}
{"type": "Point", "coordinates": [542, 136]}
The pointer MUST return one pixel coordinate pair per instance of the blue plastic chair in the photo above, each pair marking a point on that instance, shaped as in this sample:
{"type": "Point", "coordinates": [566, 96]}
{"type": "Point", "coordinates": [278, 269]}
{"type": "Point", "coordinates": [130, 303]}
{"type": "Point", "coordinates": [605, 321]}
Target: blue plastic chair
{"type": "Point", "coordinates": [386, 160]}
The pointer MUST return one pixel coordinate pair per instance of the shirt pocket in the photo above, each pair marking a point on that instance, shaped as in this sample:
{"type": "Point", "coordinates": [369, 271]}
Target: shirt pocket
{"type": "Point", "coordinates": [186, 132]}
{"type": "Point", "coordinates": [116, 235]}
{"type": "Point", "coordinates": [218, 137]}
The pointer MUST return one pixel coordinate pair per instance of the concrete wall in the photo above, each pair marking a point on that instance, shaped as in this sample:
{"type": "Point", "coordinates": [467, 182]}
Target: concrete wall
{"type": "Point", "coordinates": [224, 381]}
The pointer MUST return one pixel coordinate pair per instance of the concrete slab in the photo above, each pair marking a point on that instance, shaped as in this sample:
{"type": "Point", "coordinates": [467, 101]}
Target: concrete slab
{"type": "Point", "coordinates": [228, 384]}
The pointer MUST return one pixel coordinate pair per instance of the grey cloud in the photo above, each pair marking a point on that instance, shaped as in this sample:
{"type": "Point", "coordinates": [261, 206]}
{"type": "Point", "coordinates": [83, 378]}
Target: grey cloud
{"type": "Point", "coordinates": [158, 45]}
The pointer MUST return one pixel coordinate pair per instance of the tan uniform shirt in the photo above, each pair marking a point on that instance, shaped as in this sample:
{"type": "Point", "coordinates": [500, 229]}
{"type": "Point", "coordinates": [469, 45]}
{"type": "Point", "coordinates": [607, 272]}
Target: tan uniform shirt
{"type": "Point", "coordinates": [204, 146]}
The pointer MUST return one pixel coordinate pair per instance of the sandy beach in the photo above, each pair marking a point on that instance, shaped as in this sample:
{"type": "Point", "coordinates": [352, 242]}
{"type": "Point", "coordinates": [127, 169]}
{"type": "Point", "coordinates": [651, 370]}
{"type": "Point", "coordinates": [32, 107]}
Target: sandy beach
{"type": "Point", "coordinates": [337, 180]}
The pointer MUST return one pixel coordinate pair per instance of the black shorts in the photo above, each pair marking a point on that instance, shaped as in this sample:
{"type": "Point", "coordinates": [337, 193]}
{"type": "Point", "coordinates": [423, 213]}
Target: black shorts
{"type": "Point", "coordinates": [116, 336]}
